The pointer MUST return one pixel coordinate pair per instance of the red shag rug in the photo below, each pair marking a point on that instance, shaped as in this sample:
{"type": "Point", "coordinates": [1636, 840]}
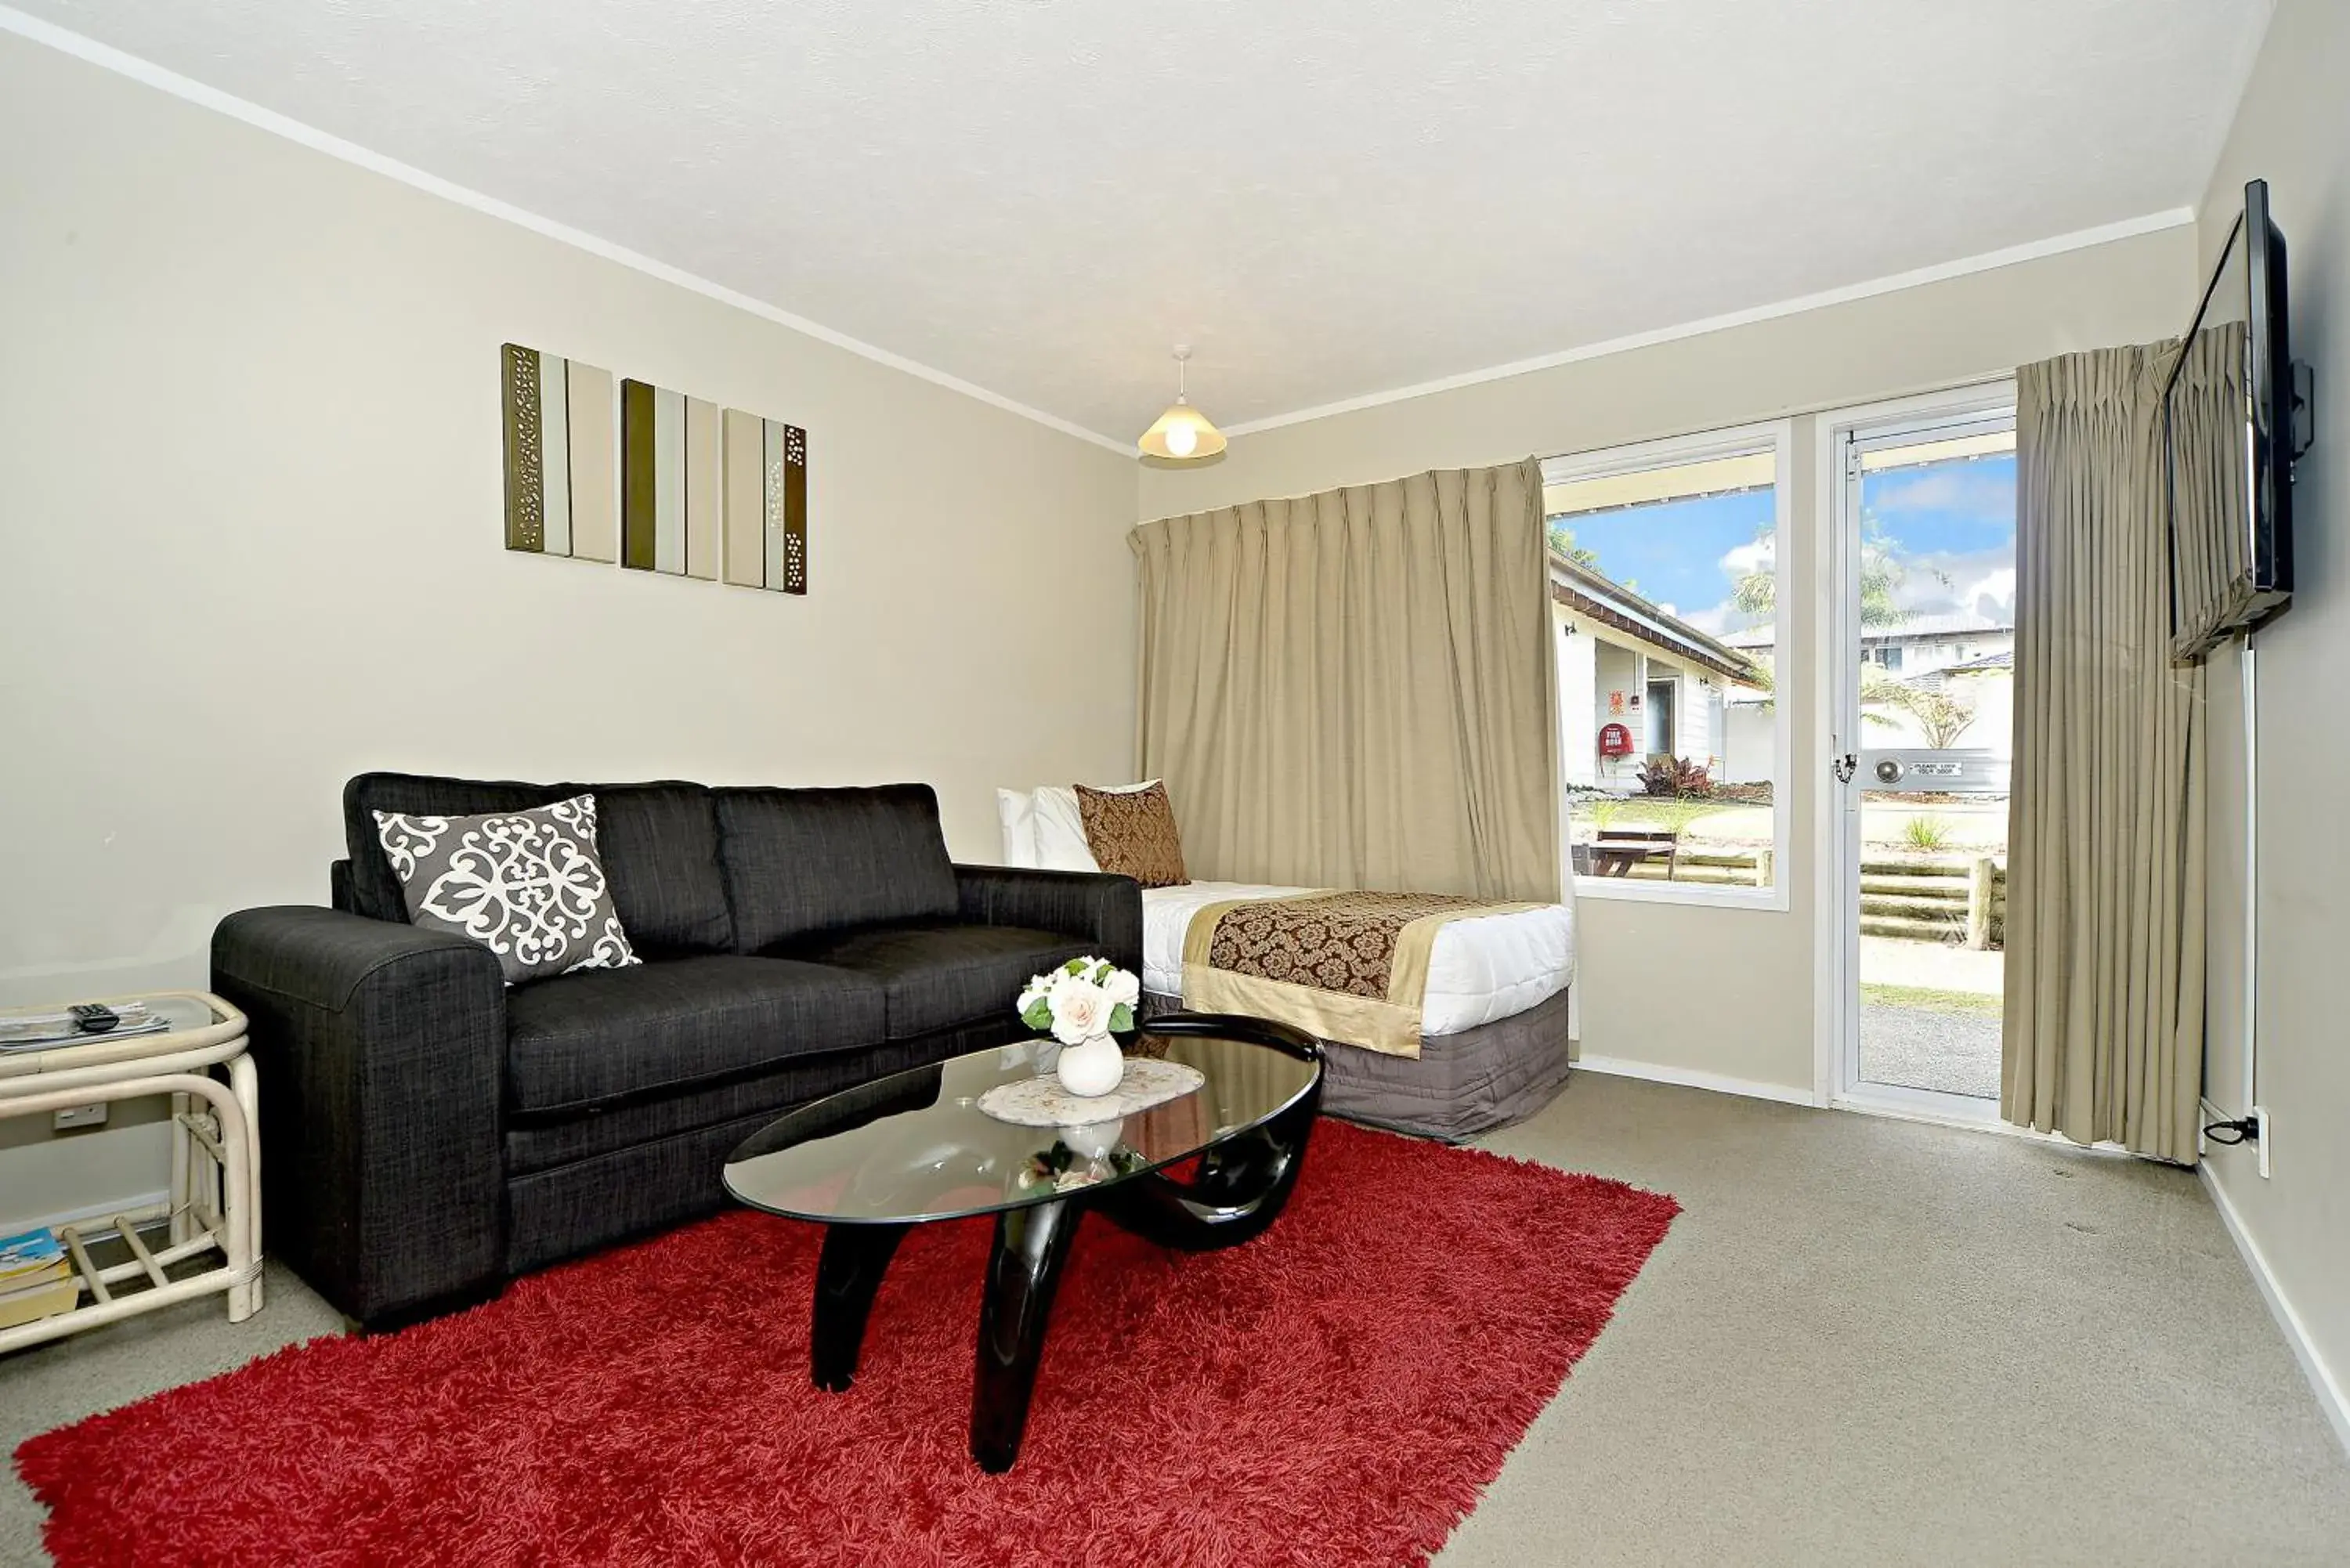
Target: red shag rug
{"type": "Point", "coordinates": [1338, 1391]}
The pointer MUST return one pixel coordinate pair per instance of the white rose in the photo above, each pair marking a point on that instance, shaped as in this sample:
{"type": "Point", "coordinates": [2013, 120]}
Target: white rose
{"type": "Point", "coordinates": [1080, 1010]}
{"type": "Point", "coordinates": [1122, 989]}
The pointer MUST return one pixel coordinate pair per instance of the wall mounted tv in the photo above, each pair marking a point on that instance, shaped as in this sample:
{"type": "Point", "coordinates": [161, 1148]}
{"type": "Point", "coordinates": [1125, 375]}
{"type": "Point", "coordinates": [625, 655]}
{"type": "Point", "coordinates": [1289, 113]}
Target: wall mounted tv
{"type": "Point", "coordinates": [2235, 415]}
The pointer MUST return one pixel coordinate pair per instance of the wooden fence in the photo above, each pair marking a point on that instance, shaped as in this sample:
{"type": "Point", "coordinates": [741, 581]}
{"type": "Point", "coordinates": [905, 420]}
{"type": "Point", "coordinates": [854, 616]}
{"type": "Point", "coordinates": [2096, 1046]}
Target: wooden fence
{"type": "Point", "coordinates": [1957, 899]}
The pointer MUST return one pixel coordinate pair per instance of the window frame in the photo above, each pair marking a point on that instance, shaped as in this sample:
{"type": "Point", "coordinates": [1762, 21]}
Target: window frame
{"type": "Point", "coordinates": [1778, 438]}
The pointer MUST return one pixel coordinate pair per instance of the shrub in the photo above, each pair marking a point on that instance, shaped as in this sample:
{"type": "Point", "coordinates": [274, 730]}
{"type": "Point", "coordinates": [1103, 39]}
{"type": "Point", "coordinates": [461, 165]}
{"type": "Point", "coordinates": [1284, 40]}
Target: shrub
{"type": "Point", "coordinates": [1927, 833]}
{"type": "Point", "coordinates": [1675, 778]}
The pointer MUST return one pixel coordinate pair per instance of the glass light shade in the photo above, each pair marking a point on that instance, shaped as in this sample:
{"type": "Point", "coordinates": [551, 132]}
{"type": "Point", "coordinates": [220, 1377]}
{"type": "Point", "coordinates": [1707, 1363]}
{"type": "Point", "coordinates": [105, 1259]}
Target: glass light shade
{"type": "Point", "coordinates": [1166, 437]}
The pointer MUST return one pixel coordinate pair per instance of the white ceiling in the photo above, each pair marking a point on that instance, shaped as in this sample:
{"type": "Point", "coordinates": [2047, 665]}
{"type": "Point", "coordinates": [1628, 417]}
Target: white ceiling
{"type": "Point", "coordinates": [1328, 198]}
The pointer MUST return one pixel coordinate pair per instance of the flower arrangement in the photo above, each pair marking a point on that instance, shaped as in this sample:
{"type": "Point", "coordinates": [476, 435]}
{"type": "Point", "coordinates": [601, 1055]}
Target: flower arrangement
{"type": "Point", "coordinates": [1079, 1005]}
{"type": "Point", "coordinates": [1065, 1169]}
{"type": "Point", "coordinates": [1083, 1000]}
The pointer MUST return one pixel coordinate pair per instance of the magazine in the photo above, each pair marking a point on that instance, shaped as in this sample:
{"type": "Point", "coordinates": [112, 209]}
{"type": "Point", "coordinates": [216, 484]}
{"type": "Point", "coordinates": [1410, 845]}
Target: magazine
{"type": "Point", "coordinates": [44, 1030]}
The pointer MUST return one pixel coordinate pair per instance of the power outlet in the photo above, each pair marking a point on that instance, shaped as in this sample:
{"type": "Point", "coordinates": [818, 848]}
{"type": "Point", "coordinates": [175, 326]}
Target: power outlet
{"type": "Point", "coordinates": [2261, 1122]}
{"type": "Point", "coordinates": [82, 1116]}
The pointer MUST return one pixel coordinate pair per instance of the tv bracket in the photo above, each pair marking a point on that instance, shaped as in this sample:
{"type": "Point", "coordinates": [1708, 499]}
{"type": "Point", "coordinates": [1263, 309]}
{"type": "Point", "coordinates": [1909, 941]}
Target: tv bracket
{"type": "Point", "coordinates": [2304, 420]}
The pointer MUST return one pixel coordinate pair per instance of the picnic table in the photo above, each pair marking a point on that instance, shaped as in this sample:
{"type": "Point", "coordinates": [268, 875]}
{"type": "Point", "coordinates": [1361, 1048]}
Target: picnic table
{"type": "Point", "coordinates": [1619, 849]}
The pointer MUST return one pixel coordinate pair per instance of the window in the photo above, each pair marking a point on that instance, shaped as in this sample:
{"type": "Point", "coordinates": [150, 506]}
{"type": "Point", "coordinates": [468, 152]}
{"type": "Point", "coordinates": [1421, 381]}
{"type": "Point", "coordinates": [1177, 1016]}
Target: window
{"type": "Point", "coordinates": [1668, 588]}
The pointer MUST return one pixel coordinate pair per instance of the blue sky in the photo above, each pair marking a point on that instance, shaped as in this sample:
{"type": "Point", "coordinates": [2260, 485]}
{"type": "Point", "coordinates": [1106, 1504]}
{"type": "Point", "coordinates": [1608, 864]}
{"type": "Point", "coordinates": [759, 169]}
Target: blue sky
{"type": "Point", "coordinates": [1953, 525]}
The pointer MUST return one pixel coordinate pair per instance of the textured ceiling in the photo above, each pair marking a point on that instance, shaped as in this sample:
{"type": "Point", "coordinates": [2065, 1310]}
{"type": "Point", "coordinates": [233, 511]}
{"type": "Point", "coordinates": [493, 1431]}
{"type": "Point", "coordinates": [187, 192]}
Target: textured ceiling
{"type": "Point", "coordinates": [1329, 198]}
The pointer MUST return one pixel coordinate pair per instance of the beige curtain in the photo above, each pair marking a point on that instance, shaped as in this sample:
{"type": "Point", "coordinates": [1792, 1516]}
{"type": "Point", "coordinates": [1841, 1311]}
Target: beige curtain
{"type": "Point", "coordinates": [2104, 934]}
{"type": "Point", "coordinates": [1354, 689]}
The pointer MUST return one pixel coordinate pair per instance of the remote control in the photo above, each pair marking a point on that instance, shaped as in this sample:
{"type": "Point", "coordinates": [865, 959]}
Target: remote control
{"type": "Point", "coordinates": [92, 1019]}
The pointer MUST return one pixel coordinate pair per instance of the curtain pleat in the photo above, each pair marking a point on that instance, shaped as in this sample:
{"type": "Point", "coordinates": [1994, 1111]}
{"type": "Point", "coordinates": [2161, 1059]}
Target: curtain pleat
{"type": "Point", "coordinates": [2104, 953]}
{"type": "Point", "coordinates": [1355, 689]}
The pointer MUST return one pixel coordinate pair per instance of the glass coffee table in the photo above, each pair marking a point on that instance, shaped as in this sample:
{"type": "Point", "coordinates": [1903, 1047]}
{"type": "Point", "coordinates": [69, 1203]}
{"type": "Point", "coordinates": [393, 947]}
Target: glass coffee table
{"type": "Point", "coordinates": [871, 1163]}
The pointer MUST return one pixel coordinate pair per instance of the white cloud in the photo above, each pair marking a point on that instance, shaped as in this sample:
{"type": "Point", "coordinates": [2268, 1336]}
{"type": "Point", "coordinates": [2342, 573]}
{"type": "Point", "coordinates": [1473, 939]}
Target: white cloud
{"type": "Point", "coordinates": [1968, 489]}
{"type": "Point", "coordinates": [1982, 582]}
{"type": "Point", "coordinates": [1992, 594]}
{"type": "Point", "coordinates": [1755, 555]}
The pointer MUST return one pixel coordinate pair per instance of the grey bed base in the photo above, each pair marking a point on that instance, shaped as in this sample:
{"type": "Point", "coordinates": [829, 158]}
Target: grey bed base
{"type": "Point", "coordinates": [1458, 1086]}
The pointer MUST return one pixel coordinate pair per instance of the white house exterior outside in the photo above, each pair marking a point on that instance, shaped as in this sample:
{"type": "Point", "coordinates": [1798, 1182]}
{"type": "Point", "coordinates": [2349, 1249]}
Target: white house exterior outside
{"type": "Point", "coordinates": [1625, 660]}
{"type": "Point", "coordinates": [1970, 657]}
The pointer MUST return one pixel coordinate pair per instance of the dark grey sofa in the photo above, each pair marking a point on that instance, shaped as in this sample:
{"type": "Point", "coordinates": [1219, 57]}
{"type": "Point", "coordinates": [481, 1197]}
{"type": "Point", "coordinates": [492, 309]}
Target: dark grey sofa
{"type": "Point", "coordinates": [428, 1134]}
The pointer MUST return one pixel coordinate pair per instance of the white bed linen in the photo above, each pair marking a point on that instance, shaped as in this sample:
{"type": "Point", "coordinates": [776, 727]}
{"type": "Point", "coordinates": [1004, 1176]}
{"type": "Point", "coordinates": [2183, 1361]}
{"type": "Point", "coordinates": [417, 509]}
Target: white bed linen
{"type": "Point", "coordinates": [1481, 969]}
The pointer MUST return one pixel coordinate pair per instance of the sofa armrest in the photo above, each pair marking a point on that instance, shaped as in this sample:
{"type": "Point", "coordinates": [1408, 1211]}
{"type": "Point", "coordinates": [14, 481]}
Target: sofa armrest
{"type": "Point", "coordinates": [381, 1051]}
{"type": "Point", "coordinates": [1104, 910]}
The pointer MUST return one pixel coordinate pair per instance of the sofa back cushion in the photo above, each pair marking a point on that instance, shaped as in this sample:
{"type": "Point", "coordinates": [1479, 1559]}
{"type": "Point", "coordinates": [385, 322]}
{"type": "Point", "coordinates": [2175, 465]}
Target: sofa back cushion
{"type": "Point", "coordinates": [659, 843]}
{"type": "Point", "coordinates": [661, 851]}
{"type": "Point", "coordinates": [375, 889]}
{"type": "Point", "coordinates": [803, 861]}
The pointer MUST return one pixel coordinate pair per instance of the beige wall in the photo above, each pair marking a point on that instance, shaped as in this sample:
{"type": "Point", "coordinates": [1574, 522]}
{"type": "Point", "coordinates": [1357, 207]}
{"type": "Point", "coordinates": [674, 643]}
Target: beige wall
{"type": "Point", "coordinates": [2294, 131]}
{"type": "Point", "coordinates": [1754, 1019]}
{"type": "Point", "coordinates": [250, 530]}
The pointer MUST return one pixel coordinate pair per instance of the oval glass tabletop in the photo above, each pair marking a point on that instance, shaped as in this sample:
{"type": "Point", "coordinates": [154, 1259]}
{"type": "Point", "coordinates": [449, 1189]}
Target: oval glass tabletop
{"type": "Point", "coordinates": [916, 1147]}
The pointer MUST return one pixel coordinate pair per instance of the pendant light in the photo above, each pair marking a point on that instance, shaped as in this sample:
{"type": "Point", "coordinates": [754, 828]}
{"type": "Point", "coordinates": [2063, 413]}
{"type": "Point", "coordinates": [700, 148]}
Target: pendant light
{"type": "Point", "coordinates": [1181, 434]}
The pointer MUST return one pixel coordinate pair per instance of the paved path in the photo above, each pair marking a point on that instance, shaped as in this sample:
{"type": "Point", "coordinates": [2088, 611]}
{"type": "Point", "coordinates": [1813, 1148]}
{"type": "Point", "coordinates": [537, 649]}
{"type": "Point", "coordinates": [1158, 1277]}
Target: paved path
{"type": "Point", "coordinates": [1934, 966]}
{"type": "Point", "coordinates": [1921, 1048]}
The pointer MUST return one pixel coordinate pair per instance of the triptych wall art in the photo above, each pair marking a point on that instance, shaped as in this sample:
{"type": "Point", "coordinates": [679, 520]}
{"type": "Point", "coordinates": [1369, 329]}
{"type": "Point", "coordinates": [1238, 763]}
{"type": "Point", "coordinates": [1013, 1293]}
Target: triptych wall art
{"type": "Point", "coordinates": [654, 479]}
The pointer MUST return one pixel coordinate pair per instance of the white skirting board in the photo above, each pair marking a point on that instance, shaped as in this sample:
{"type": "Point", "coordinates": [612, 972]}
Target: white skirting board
{"type": "Point", "coordinates": [2322, 1380]}
{"type": "Point", "coordinates": [1690, 1078]}
{"type": "Point", "coordinates": [159, 1199]}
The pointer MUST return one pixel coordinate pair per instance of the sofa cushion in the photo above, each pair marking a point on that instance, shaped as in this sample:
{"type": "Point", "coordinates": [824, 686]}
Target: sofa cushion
{"type": "Point", "coordinates": [943, 975]}
{"type": "Point", "coordinates": [801, 862]}
{"type": "Point", "coordinates": [660, 851]}
{"type": "Point", "coordinates": [375, 888]}
{"type": "Point", "coordinates": [527, 884]}
{"type": "Point", "coordinates": [659, 844]}
{"type": "Point", "coordinates": [542, 1143]}
{"type": "Point", "coordinates": [603, 1036]}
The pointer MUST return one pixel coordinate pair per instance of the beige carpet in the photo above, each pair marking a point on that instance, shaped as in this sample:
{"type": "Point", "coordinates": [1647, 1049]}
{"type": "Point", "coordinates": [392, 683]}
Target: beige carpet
{"type": "Point", "coordinates": [1864, 1342]}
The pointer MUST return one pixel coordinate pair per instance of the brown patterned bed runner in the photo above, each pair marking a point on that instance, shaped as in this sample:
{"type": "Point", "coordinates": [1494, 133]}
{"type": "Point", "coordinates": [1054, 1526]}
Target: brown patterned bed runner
{"type": "Point", "coordinates": [1346, 966]}
{"type": "Point", "coordinates": [1334, 941]}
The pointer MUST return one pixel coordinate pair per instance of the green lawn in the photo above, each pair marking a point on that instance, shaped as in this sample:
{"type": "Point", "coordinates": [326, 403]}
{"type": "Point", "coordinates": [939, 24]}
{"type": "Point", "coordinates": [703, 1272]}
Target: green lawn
{"type": "Point", "coordinates": [1926, 999]}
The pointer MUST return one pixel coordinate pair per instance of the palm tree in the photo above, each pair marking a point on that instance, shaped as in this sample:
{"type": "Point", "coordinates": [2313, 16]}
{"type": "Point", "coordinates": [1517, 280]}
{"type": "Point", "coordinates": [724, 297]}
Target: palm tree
{"type": "Point", "coordinates": [1942, 715]}
{"type": "Point", "coordinates": [1882, 573]}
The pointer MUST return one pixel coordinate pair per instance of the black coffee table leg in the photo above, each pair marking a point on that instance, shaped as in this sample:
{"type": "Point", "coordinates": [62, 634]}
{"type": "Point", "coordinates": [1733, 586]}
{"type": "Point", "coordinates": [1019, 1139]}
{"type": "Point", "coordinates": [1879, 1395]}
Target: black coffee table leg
{"type": "Point", "coordinates": [1242, 1186]}
{"type": "Point", "coordinates": [1023, 1273]}
{"type": "Point", "coordinates": [855, 1258]}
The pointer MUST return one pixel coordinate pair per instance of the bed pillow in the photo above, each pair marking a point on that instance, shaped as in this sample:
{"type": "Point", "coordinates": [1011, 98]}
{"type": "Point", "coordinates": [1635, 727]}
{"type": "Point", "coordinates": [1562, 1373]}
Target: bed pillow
{"type": "Point", "coordinates": [527, 884]}
{"type": "Point", "coordinates": [1061, 827]}
{"type": "Point", "coordinates": [1133, 834]}
{"type": "Point", "coordinates": [1017, 810]}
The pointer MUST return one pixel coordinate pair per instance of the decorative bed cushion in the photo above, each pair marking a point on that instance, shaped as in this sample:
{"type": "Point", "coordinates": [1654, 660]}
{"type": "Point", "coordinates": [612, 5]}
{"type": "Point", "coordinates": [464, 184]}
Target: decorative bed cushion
{"type": "Point", "coordinates": [527, 884]}
{"type": "Point", "coordinates": [1016, 809]}
{"type": "Point", "coordinates": [1131, 833]}
{"type": "Point", "coordinates": [1061, 826]}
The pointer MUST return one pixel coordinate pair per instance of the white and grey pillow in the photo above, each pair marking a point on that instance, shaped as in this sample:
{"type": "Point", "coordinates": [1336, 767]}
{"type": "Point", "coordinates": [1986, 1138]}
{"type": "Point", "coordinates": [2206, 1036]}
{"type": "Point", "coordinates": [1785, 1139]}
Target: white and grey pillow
{"type": "Point", "coordinates": [527, 885]}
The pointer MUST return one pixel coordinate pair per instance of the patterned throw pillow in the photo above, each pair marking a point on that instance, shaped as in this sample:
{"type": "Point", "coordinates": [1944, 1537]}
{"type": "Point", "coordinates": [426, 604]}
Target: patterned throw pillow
{"type": "Point", "coordinates": [527, 885]}
{"type": "Point", "coordinates": [1133, 834]}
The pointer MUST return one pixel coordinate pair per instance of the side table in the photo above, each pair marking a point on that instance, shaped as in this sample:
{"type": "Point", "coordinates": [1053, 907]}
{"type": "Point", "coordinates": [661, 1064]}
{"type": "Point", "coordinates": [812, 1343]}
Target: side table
{"type": "Point", "coordinates": [215, 1196]}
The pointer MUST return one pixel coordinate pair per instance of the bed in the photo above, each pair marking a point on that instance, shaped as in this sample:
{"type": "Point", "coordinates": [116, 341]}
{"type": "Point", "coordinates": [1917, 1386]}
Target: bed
{"type": "Point", "coordinates": [1491, 1046]}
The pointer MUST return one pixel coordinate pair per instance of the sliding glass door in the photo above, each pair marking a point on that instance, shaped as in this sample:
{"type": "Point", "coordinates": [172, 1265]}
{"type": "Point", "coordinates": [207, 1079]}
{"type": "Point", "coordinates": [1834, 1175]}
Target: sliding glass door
{"type": "Point", "coordinates": [1922, 687]}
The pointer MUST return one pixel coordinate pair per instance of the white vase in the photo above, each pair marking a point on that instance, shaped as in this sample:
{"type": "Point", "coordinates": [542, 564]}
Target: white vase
{"type": "Point", "coordinates": [1095, 1139]}
{"type": "Point", "coordinates": [1092, 1068]}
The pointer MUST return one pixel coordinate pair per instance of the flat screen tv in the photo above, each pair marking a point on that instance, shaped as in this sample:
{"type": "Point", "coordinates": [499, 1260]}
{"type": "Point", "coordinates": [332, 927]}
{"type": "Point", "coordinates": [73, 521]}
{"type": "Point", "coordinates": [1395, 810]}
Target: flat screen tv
{"type": "Point", "coordinates": [2234, 416]}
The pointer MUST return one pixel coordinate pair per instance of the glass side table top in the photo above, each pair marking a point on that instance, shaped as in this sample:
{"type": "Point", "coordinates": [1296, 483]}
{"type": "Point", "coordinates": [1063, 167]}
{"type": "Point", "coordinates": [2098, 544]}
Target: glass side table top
{"type": "Point", "coordinates": [915, 1146]}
